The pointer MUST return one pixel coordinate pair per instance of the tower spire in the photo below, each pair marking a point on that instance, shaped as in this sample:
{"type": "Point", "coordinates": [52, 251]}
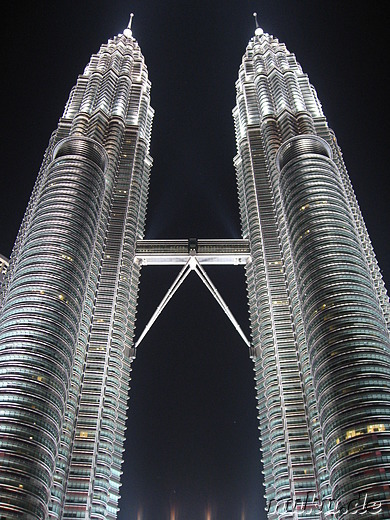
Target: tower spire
{"type": "Point", "coordinates": [130, 21]}
{"type": "Point", "coordinates": [258, 30]}
{"type": "Point", "coordinates": [128, 32]}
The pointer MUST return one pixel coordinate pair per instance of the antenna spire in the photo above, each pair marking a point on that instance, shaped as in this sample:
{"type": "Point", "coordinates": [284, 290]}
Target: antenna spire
{"type": "Point", "coordinates": [258, 29]}
{"type": "Point", "coordinates": [128, 32]}
{"type": "Point", "coordinates": [130, 21]}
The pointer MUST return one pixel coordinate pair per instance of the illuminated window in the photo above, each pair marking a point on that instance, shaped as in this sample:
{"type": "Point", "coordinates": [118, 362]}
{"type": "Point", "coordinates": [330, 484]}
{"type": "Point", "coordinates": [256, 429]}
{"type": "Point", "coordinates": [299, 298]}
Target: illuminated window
{"type": "Point", "coordinates": [372, 428]}
{"type": "Point", "coordinates": [67, 257]}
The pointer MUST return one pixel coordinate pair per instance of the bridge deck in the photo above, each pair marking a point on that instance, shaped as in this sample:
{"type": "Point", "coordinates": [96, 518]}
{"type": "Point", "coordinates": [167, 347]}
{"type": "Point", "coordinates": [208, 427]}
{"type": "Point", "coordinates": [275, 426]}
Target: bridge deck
{"type": "Point", "coordinates": [206, 251]}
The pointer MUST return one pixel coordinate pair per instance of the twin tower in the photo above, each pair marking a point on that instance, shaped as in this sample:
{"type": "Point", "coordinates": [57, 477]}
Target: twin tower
{"type": "Point", "coordinates": [319, 311]}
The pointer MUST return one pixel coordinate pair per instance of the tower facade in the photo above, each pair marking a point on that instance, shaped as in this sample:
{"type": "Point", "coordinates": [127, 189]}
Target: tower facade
{"type": "Point", "coordinates": [68, 305]}
{"type": "Point", "coordinates": [4, 263]}
{"type": "Point", "coordinates": [318, 307]}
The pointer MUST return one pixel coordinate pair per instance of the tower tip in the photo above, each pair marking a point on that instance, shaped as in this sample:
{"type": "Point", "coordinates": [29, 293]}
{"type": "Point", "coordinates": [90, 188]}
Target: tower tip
{"type": "Point", "coordinates": [258, 30]}
{"type": "Point", "coordinates": [128, 32]}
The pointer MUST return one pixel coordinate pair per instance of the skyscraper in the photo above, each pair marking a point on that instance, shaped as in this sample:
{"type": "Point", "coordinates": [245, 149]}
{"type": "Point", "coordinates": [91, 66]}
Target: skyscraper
{"type": "Point", "coordinates": [318, 306]}
{"type": "Point", "coordinates": [68, 307]}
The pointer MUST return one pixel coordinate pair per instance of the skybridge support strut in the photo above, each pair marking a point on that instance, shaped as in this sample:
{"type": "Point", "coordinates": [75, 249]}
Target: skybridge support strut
{"type": "Point", "coordinates": [192, 253]}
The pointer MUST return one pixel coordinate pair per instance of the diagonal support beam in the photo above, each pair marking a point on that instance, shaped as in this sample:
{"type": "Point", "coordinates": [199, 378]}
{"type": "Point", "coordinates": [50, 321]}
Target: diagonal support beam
{"type": "Point", "coordinates": [171, 291]}
{"type": "Point", "coordinates": [192, 265]}
{"type": "Point", "coordinates": [214, 291]}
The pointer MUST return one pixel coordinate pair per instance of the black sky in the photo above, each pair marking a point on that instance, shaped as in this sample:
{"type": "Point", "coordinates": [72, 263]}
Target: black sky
{"type": "Point", "coordinates": [192, 433]}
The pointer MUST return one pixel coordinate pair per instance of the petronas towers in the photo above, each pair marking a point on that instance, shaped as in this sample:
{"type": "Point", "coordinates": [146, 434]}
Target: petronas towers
{"type": "Point", "coordinates": [319, 311]}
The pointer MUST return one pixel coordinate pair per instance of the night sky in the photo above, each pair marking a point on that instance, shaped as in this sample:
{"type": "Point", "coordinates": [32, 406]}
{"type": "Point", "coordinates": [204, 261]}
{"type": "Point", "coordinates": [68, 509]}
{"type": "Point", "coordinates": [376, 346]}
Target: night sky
{"type": "Point", "coordinates": [192, 440]}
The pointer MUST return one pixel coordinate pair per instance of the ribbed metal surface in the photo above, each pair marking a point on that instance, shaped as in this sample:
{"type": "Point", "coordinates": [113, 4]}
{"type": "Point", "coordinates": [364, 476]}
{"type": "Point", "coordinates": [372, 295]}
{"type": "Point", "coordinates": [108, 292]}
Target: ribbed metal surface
{"type": "Point", "coordinates": [39, 326]}
{"type": "Point", "coordinates": [347, 337]}
{"type": "Point", "coordinates": [82, 147]}
{"type": "Point", "coordinates": [301, 145]}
